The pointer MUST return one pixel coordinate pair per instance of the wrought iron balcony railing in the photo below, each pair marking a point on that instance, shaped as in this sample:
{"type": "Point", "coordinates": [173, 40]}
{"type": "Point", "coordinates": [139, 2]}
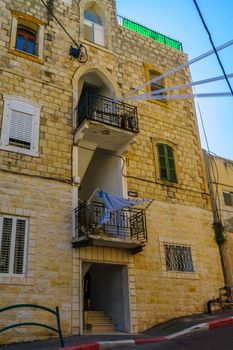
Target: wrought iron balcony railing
{"type": "Point", "coordinates": [106, 111]}
{"type": "Point", "coordinates": [125, 224]}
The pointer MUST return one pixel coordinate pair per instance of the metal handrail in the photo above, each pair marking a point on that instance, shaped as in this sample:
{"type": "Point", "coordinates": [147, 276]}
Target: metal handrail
{"type": "Point", "coordinates": [105, 110]}
{"type": "Point", "coordinates": [55, 312]}
{"type": "Point", "coordinates": [127, 223]}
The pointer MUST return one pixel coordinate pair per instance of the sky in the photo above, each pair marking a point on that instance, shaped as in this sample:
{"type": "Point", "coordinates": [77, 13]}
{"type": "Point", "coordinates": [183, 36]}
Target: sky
{"type": "Point", "coordinates": [179, 19]}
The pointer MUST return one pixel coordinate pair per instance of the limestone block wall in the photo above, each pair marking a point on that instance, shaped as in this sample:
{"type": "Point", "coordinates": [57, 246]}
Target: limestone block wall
{"type": "Point", "coordinates": [29, 185]}
{"type": "Point", "coordinates": [163, 294]}
{"type": "Point", "coordinates": [221, 171]}
{"type": "Point", "coordinates": [48, 279]}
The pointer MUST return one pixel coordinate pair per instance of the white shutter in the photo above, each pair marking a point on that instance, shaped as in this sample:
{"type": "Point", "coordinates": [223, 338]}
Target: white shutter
{"type": "Point", "coordinates": [13, 245]}
{"type": "Point", "coordinates": [20, 129]}
{"type": "Point", "coordinates": [6, 236]}
{"type": "Point", "coordinates": [20, 236]}
{"type": "Point", "coordinates": [99, 34]}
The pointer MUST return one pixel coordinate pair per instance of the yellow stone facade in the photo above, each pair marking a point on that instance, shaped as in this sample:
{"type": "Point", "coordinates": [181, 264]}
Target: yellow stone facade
{"type": "Point", "coordinates": [41, 189]}
{"type": "Point", "coordinates": [221, 176]}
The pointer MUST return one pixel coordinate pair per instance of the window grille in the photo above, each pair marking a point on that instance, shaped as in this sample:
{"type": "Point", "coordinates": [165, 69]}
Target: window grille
{"type": "Point", "coordinates": [228, 198]}
{"type": "Point", "coordinates": [178, 258]}
{"type": "Point", "coordinates": [13, 239]}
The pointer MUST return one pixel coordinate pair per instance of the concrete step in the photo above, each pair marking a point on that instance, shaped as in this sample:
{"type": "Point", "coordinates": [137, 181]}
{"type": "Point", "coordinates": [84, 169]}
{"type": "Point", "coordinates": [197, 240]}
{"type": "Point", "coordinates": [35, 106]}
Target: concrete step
{"type": "Point", "coordinates": [98, 321]}
{"type": "Point", "coordinates": [98, 327]}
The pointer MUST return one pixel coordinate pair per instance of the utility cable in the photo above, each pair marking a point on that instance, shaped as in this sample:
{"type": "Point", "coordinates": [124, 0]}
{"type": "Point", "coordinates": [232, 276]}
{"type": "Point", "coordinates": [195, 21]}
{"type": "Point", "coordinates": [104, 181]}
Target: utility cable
{"type": "Point", "coordinates": [176, 69]}
{"type": "Point", "coordinates": [148, 95]}
{"type": "Point", "coordinates": [214, 48]}
{"type": "Point", "coordinates": [60, 24]}
{"type": "Point", "coordinates": [210, 163]}
{"type": "Point", "coordinates": [181, 96]}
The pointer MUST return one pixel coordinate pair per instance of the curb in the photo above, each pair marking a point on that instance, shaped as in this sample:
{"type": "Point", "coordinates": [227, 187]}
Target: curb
{"type": "Point", "coordinates": [104, 345]}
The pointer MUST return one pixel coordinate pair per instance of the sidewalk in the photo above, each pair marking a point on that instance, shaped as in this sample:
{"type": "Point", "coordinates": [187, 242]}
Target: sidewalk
{"type": "Point", "coordinates": [166, 330]}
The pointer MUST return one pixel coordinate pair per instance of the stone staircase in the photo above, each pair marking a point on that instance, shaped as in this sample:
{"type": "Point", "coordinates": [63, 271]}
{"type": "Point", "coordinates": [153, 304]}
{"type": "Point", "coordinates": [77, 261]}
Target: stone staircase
{"type": "Point", "coordinates": [98, 321]}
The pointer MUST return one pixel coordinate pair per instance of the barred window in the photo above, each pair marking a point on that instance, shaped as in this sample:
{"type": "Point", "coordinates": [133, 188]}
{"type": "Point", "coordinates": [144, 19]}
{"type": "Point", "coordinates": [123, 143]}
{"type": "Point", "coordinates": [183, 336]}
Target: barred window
{"type": "Point", "coordinates": [228, 198]}
{"type": "Point", "coordinates": [13, 245]}
{"type": "Point", "coordinates": [178, 258]}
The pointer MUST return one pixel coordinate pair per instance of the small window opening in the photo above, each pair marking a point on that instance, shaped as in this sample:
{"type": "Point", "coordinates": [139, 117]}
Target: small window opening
{"type": "Point", "coordinates": [26, 40]}
{"type": "Point", "coordinates": [158, 85]}
{"type": "Point", "coordinates": [93, 28]}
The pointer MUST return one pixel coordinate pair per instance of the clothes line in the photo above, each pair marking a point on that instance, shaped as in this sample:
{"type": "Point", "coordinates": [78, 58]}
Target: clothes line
{"type": "Point", "coordinates": [182, 96]}
{"type": "Point", "coordinates": [174, 70]}
{"type": "Point", "coordinates": [182, 86]}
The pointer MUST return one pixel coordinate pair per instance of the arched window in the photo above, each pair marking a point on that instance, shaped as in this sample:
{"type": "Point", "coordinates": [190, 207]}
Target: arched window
{"type": "Point", "coordinates": [26, 40]}
{"type": "Point", "coordinates": [92, 17]}
{"type": "Point", "coordinates": [166, 163]}
{"type": "Point", "coordinates": [93, 28]}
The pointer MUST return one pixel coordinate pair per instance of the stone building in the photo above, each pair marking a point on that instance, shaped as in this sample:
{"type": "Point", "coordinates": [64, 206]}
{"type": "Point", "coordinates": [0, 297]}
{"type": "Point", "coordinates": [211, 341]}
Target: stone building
{"type": "Point", "coordinates": [220, 175]}
{"type": "Point", "coordinates": [62, 138]}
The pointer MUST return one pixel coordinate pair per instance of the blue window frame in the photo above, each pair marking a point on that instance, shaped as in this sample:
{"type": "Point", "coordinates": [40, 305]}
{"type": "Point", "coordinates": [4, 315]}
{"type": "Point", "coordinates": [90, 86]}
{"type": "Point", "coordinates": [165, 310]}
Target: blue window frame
{"type": "Point", "coordinates": [26, 41]}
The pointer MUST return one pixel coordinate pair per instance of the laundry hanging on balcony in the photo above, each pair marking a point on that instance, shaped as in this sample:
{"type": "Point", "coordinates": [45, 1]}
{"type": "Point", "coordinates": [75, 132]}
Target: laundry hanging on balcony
{"type": "Point", "coordinates": [114, 203]}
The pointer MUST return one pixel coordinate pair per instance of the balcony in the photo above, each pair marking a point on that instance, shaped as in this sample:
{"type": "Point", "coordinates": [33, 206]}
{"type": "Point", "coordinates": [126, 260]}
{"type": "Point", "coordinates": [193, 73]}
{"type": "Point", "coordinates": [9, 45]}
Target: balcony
{"type": "Point", "coordinates": [104, 122]}
{"type": "Point", "coordinates": [126, 228]}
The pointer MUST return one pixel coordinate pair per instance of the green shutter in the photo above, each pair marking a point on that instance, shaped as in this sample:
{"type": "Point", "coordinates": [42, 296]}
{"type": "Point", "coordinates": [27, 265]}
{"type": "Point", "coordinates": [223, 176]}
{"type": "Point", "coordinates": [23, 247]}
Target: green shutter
{"type": "Point", "coordinates": [162, 162]}
{"type": "Point", "coordinates": [166, 163]}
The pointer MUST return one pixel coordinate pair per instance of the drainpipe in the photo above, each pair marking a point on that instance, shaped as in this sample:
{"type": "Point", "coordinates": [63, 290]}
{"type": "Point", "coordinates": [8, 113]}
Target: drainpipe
{"type": "Point", "coordinates": [216, 218]}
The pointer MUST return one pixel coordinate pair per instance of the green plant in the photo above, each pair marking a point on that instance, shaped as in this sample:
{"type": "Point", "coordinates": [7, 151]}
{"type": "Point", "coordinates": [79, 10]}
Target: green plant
{"type": "Point", "coordinates": [219, 233]}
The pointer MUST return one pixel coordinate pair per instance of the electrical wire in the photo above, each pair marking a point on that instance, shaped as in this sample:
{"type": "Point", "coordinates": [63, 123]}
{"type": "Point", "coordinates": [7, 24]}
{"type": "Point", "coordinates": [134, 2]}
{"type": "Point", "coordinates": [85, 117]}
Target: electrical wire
{"type": "Point", "coordinates": [60, 24]}
{"type": "Point", "coordinates": [214, 48]}
{"type": "Point", "coordinates": [211, 160]}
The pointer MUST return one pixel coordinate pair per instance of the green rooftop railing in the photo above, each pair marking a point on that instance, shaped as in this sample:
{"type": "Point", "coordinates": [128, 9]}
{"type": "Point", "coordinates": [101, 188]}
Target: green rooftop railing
{"type": "Point", "coordinates": [149, 33]}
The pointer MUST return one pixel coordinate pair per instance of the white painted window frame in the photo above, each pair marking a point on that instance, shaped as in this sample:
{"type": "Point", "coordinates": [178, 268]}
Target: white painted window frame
{"type": "Point", "coordinates": [12, 247]}
{"type": "Point", "coordinates": [24, 106]}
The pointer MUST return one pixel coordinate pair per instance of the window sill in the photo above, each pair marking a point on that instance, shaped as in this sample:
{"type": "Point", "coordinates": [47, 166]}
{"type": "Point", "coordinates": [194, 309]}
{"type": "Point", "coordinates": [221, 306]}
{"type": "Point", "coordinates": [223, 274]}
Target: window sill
{"type": "Point", "coordinates": [99, 47]}
{"type": "Point", "coordinates": [26, 56]}
{"type": "Point", "coordinates": [181, 275]}
{"type": "Point", "coordinates": [15, 279]}
{"type": "Point", "coordinates": [19, 150]}
{"type": "Point", "coordinates": [167, 183]}
{"type": "Point", "coordinates": [160, 103]}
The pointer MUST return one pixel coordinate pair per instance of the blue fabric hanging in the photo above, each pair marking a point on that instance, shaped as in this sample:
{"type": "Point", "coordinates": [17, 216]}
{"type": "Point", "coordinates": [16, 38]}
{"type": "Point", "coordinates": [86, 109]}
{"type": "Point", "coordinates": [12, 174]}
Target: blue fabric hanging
{"type": "Point", "coordinates": [114, 203]}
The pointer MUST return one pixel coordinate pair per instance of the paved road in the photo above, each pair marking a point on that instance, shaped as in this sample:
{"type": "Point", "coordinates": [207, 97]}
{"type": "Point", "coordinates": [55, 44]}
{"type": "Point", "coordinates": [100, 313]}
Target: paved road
{"type": "Point", "coordinates": [217, 339]}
